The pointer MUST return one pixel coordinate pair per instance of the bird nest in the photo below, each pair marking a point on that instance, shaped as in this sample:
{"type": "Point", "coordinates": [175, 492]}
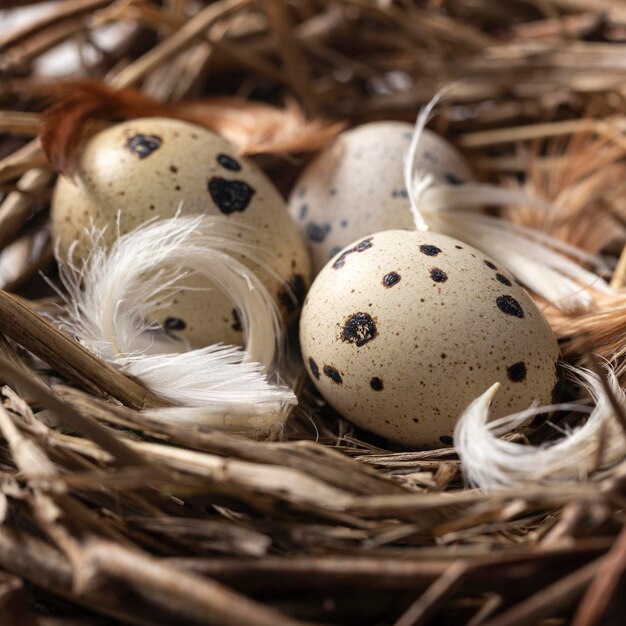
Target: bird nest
{"type": "Point", "coordinates": [108, 516]}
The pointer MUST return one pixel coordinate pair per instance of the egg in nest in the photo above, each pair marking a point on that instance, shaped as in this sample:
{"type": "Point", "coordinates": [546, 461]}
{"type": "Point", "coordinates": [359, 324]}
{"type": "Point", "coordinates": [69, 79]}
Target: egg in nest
{"type": "Point", "coordinates": [154, 167]}
{"type": "Point", "coordinates": [402, 329]}
{"type": "Point", "coordinates": [356, 186]}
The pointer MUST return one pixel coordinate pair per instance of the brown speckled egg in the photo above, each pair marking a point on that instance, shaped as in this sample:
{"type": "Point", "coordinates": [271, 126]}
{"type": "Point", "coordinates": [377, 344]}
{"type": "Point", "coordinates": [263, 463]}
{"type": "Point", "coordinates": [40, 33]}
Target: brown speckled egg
{"type": "Point", "coordinates": [356, 186]}
{"type": "Point", "coordinates": [403, 329]}
{"type": "Point", "coordinates": [153, 167]}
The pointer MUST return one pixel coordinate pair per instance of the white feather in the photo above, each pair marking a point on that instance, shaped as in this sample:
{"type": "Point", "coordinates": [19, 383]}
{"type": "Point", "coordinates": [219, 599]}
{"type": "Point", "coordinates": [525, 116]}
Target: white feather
{"type": "Point", "coordinates": [117, 291]}
{"type": "Point", "coordinates": [535, 258]}
{"type": "Point", "coordinates": [490, 462]}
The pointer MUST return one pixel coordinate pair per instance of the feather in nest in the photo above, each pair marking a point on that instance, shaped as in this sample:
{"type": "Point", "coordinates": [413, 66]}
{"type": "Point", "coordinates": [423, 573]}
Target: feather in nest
{"type": "Point", "coordinates": [80, 107]}
{"type": "Point", "coordinates": [552, 268]}
{"type": "Point", "coordinates": [489, 461]}
{"type": "Point", "coordinates": [115, 293]}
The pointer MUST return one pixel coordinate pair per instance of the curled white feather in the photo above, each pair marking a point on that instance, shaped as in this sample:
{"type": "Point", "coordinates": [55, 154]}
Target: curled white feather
{"type": "Point", "coordinates": [490, 462]}
{"type": "Point", "coordinates": [535, 258]}
{"type": "Point", "coordinates": [117, 291]}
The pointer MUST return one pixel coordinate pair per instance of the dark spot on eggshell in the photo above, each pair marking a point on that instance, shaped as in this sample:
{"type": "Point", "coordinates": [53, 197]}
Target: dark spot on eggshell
{"type": "Point", "coordinates": [173, 169]}
{"type": "Point", "coordinates": [391, 279]}
{"type": "Point", "coordinates": [446, 440]}
{"type": "Point", "coordinates": [400, 193]}
{"type": "Point", "coordinates": [503, 279]}
{"type": "Point", "coordinates": [430, 250]}
{"type": "Point", "coordinates": [142, 145]}
{"type": "Point", "coordinates": [315, 370]}
{"type": "Point", "coordinates": [236, 325]}
{"type": "Point", "coordinates": [517, 372]}
{"type": "Point", "coordinates": [291, 294]}
{"type": "Point", "coordinates": [438, 275]}
{"type": "Point", "coordinates": [228, 162]}
{"type": "Point", "coordinates": [459, 247]}
{"type": "Point", "coordinates": [366, 244]}
{"type": "Point", "coordinates": [230, 196]}
{"type": "Point", "coordinates": [452, 179]}
{"type": "Point", "coordinates": [376, 384]}
{"type": "Point", "coordinates": [509, 305]}
{"type": "Point", "coordinates": [174, 323]}
{"type": "Point", "coordinates": [317, 232]}
{"type": "Point", "coordinates": [359, 329]}
{"type": "Point", "coordinates": [304, 209]}
{"type": "Point", "coordinates": [490, 265]}
{"type": "Point", "coordinates": [333, 374]}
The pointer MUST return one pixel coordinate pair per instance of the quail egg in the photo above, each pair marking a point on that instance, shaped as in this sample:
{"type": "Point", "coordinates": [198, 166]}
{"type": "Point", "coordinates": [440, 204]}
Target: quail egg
{"type": "Point", "coordinates": [402, 329]}
{"type": "Point", "coordinates": [356, 186]}
{"type": "Point", "coordinates": [153, 167]}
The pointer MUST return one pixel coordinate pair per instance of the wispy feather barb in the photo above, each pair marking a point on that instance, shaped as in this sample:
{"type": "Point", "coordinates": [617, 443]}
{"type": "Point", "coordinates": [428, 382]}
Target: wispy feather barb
{"type": "Point", "coordinates": [116, 292]}
{"type": "Point", "coordinates": [490, 462]}
{"type": "Point", "coordinates": [535, 258]}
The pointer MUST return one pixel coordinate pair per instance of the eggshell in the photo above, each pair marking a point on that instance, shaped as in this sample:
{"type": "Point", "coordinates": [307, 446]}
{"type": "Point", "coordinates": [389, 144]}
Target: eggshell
{"type": "Point", "coordinates": [152, 167]}
{"type": "Point", "coordinates": [356, 186]}
{"type": "Point", "coordinates": [403, 329]}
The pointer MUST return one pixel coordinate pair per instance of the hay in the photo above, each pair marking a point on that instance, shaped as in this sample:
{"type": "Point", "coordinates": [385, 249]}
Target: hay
{"type": "Point", "coordinates": [108, 516]}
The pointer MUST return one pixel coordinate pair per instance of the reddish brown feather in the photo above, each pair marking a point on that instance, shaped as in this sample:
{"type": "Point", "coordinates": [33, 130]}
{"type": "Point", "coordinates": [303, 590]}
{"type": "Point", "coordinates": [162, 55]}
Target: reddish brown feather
{"type": "Point", "coordinates": [80, 107]}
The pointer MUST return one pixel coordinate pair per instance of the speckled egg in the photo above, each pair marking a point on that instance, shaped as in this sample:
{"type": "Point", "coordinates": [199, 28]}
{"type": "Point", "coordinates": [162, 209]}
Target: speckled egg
{"type": "Point", "coordinates": [356, 186]}
{"type": "Point", "coordinates": [153, 167]}
{"type": "Point", "coordinates": [403, 329]}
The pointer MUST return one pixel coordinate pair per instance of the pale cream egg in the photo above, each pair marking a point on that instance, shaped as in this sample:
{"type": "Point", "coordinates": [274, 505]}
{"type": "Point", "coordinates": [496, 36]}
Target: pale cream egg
{"type": "Point", "coordinates": [356, 186]}
{"type": "Point", "coordinates": [403, 329]}
{"type": "Point", "coordinates": [153, 167]}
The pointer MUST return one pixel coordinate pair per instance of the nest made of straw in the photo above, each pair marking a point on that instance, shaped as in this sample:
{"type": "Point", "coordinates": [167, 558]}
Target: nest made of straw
{"type": "Point", "coordinates": [107, 517]}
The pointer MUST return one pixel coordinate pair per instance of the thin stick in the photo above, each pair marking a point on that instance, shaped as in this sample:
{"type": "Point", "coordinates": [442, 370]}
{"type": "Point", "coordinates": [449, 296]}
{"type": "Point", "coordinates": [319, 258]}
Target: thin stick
{"type": "Point", "coordinates": [599, 594]}
{"type": "Point", "coordinates": [551, 599]}
{"type": "Point", "coordinates": [91, 429]}
{"type": "Point", "coordinates": [427, 604]}
{"type": "Point", "coordinates": [194, 597]}
{"type": "Point", "coordinates": [75, 362]}
{"type": "Point", "coordinates": [295, 64]}
{"type": "Point", "coordinates": [179, 41]}
{"type": "Point", "coordinates": [62, 11]}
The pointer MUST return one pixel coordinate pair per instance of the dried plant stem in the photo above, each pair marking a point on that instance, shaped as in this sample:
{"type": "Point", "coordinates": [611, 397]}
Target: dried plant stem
{"type": "Point", "coordinates": [16, 207]}
{"type": "Point", "coordinates": [484, 138]}
{"type": "Point", "coordinates": [25, 158]}
{"type": "Point", "coordinates": [66, 414]}
{"type": "Point", "coordinates": [45, 340]}
{"type": "Point", "coordinates": [189, 595]}
{"type": "Point", "coordinates": [441, 589]}
{"type": "Point", "coordinates": [295, 66]}
{"type": "Point", "coordinates": [63, 11]}
{"type": "Point", "coordinates": [179, 41]}
{"type": "Point", "coordinates": [618, 280]}
{"type": "Point", "coordinates": [551, 599]}
{"type": "Point", "coordinates": [604, 585]}
{"type": "Point", "coordinates": [19, 123]}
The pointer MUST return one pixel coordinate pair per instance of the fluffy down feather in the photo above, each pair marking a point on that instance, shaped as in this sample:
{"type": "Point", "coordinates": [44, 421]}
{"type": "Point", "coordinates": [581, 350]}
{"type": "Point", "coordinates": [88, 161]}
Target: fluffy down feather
{"type": "Point", "coordinates": [116, 292]}
{"type": "Point", "coordinates": [533, 257]}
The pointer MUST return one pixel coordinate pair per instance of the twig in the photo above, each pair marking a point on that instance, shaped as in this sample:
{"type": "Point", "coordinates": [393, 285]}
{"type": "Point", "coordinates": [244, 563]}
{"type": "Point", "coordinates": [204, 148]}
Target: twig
{"type": "Point", "coordinates": [430, 601]}
{"type": "Point", "coordinates": [66, 414]}
{"type": "Point", "coordinates": [551, 599]}
{"type": "Point", "coordinates": [74, 361]}
{"type": "Point", "coordinates": [293, 59]}
{"type": "Point", "coordinates": [604, 585]}
{"type": "Point", "coordinates": [176, 590]}
{"type": "Point", "coordinates": [177, 42]}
